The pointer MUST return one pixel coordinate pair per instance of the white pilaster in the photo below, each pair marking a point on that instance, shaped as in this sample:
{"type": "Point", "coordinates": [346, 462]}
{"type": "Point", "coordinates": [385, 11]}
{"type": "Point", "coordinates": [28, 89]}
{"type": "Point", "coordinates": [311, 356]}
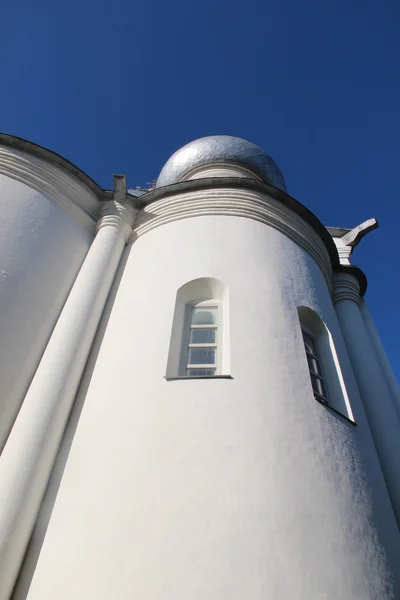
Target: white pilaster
{"type": "Point", "coordinates": [32, 446]}
{"type": "Point", "coordinates": [381, 414]}
{"type": "Point", "coordinates": [381, 355]}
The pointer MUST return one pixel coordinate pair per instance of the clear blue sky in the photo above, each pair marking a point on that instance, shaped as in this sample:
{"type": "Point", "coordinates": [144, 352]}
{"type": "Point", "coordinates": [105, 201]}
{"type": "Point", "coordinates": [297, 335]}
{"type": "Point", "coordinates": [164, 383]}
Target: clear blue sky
{"type": "Point", "coordinates": [117, 87]}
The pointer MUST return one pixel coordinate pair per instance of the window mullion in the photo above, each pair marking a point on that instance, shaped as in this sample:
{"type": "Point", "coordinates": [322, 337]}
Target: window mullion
{"type": "Point", "coordinates": [314, 368]}
{"type": "Point", "coordinates": [317, 375]}
{"type": "Point", "coordinates": [202, 348]}
{"type": "Point", "coordinates": [206, 345]}
{"type": "Point", "coordinates": [201, 366]}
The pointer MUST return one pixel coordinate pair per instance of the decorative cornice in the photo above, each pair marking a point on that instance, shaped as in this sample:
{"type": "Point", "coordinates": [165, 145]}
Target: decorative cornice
{"type": "Point", "coordinates": [238, 201]}
{"type": "Point", "coordinates": [17, 143]}
{"type": "Point", "coordinates": [343, 251]}
{"type": "Point", "coordinates": [52, 182]}
{"type": "Point", "coordinates": [249, 184]}
{"type": "Point", "coordinates": [350, 238]}
{"type": "Point", "coordinates": [117, 214]}
{"type": "Point", "coordinates": [357, 273]}
{"type": "Point", "coordinates": [219, 170]}
{"type": "Point", "coordinates": [346, 287]}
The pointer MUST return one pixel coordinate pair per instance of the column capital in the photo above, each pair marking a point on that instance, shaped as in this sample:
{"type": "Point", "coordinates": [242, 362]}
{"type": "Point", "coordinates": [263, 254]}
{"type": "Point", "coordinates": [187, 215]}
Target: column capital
{"type": "Point", "coordinates": [117, 214]}
{"type": "Point", "coordinates": [346, 287]}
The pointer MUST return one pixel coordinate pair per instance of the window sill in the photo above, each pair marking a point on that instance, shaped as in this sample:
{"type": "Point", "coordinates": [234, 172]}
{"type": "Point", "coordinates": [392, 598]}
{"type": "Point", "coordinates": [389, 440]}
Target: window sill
{"type": "Point", "coordinates": [198, 377]}
{"type": "Point", "coordinates": [330, 407]}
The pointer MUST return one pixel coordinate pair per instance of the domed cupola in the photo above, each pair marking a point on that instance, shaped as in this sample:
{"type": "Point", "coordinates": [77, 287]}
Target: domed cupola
{"type": "Point", "coordinates": [223, 151]}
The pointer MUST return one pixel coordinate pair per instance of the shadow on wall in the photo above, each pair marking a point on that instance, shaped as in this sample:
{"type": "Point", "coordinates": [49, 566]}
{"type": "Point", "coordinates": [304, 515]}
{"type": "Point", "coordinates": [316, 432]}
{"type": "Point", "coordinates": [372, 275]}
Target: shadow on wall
{"type": "Point", "coordinates": [22, 585]}
{"type": "Point", "coordinates": [142, 223]}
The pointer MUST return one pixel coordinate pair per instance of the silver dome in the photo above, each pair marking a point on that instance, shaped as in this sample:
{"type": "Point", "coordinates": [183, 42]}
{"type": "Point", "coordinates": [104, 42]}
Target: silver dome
{"type": "Point", "coordinates": [221, 148]}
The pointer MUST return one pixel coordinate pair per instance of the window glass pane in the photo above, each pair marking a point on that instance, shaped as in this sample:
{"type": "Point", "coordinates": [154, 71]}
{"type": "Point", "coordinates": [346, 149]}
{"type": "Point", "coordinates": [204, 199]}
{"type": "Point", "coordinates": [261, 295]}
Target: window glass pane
{"type": "Point", "coordinates": [200, 372]}
{"type": "Point", "coordinates": [204, 316]}
{"type": "Point", "coordinates": [309, 344]}
{"type": "Point", "coordinates": [202, 336]}
{"type": "Point", "coordinates": [318, 385]}
{"type": "Point", "coordinates": [313, 365]}
{"type": "Point", "coordinates": [201, 356]}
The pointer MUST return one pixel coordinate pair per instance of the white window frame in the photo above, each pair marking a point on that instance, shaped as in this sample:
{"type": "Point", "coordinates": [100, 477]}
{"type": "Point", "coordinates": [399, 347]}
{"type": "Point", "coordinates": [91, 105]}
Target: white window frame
{"type": "Point", "coordinates": [336, 398]}
{"type": "Point", "coordinates": [321, 376]}
{"type": "Point", "coordinates": [186, 345]}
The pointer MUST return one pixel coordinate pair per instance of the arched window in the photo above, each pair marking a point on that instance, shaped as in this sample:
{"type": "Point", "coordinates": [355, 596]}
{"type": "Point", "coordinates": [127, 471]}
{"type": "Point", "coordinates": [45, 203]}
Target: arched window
{"type": "Point", "coordinates": [326, 377]}
{"type": "Point", "coordinates": [314, 366]}
{"type": "Point", "coordinates": [202, 354]}
{"type": "Point", "coordinates": [200, 332]}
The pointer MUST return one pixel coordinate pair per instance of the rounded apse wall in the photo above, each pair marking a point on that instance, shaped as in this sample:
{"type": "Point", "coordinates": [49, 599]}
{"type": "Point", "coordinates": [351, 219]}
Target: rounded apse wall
{"type": "Point", "coordinates": [42, 246]}
{"type": "Point", "coordinates": [241, 487]}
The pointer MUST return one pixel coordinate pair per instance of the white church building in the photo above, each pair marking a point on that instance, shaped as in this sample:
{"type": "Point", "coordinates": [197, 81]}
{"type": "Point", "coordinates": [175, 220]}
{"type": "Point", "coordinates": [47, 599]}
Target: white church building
{"type": "Point", "coordinates": [194, 401]}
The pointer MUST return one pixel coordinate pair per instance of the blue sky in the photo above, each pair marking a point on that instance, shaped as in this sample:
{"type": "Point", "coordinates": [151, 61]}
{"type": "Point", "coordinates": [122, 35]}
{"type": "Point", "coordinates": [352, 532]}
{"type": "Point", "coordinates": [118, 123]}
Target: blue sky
{"type": "Point", "coordinates": [117, 87]}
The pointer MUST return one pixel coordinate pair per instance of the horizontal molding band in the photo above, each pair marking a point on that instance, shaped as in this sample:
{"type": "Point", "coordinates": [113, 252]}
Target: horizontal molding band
{"type": "Point", "coordinates": [117, 214]}
{"type": "Point", "coordinates": [346, 287]}
{"type": "Point", "coordinates": [236, 202]}
{"type": "Point", "coordinates": [50, 181]}
{"type": "Point", "coordinates": [219, 170]}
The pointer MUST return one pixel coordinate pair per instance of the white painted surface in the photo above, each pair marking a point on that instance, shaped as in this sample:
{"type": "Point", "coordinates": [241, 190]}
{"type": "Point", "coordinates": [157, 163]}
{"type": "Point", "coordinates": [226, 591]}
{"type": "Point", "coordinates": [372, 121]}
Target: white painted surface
{"type": "Point", "coordinates": [217, 489]}
{"type": "Point", "coordinates": [331, 370]}
{"type": "Point", "coordinates": [381, 412]}
{"type": "Point", "coordinates": [202, 289]}
{"type": "Point", "coordinates": [346, 244]}
{"type": "Point", "coordinates": [41, 250]}
{"type": "Point", "coordinates": [32, 446]}
{"type": "Point", "coordinates": [239, 202]}
{"type": "Point", "coordinates": [381, 356]}
{"type": "Point", "coordinates": [53, 183]}
{"type": "Point", "coordinates": [344, 251]}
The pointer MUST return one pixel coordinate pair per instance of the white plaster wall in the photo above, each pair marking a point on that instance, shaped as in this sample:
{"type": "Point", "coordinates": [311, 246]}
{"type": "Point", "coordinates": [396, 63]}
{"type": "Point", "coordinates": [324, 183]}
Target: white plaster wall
{"type": "Point", "coordinates": [41, 250]}
{"type": "Point", "coordinates": [217, 489]}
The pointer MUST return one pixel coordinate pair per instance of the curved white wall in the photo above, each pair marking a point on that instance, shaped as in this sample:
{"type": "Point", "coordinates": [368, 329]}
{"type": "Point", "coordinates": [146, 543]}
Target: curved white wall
{"type": "Point", "coordinates": [218, 489]}
{"type": "Point", "coordinates": [41, 250]}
